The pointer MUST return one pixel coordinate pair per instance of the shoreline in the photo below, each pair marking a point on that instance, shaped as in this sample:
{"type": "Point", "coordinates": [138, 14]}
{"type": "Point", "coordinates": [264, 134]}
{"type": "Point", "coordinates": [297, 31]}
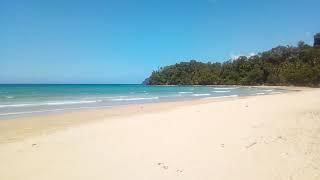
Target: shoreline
{"type": "Point", "coordinates": [35, 113]}
{"type": "Point", "coordinates": [13, 108]}
{"type": "Point", "coordinates": [257, 137]}
{"type": "Point", "coordinates": [20, 128]}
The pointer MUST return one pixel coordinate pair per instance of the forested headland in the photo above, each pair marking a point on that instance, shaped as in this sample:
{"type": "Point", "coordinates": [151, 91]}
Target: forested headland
{"type": "Point", "coordinates": [283, 65]}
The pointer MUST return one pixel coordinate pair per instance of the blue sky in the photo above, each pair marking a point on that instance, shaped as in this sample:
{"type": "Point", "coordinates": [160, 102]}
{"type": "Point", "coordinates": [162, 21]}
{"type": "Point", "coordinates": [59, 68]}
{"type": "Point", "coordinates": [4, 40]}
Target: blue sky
{"type": "Point", "coordinates": [122, 41]}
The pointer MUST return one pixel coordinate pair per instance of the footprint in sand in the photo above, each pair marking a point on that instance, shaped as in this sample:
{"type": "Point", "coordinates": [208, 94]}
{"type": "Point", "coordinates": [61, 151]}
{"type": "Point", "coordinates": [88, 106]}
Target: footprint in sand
{"type": "Point", "coordinates": [179, 170]}
{"type": "Point", "coordinates": [163, 165]}
{"type": "Point", "coordinates": [250, 145]}
{"type": "Point", "coordinates": [166, 167]}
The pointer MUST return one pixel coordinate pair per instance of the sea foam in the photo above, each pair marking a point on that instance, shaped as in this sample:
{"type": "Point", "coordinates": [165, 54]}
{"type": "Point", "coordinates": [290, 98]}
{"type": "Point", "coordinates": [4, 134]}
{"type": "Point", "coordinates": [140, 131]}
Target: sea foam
{"type": "Point", "coordinates": [221, 91]}
{"type": "Point", "coordinates": [276, 92]}
{"type": "Point", "coordinates": [185, 92]}
{"type": "Point", "coordinates": [134, 99]}
{"type": "Point", "coordinates": [217, 97]}
{"type": "Point", "coordinates": [48, 103]}
{"type": "Point", "coordinates": [225, 88]}
{"type": "Point", "coordinates": [201, 94]}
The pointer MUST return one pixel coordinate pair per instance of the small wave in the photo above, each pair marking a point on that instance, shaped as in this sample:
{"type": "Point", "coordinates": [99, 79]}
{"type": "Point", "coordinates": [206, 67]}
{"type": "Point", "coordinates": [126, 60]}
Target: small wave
{"type": "Point", "coordinates": [97, 98]}
{"type": "Point", "coordinates": [217, 97]}
{"type": "Point", "coordinates": [15, 105]}
{"type": "Point", "coordinates": [225, 88]}
{"type": "Point", "coordinates": [71, 102]}
{"type": "Point", "coordinates": [9, 97]}
{"type": "Point", "coordinates": [201, 94]}
{"type": "Point", "coordinates": [48, 103]}
{"type": "Point", "coordinates": [134, 99]}
{"type": "Point", "coordinates": [221, 91]}
{"type": "Point", "coordinates": [276, 92]}
{"type": "Point", "coordinates": [52, 110]}
{"type": "Point", "coordinates": [260, 93]}
{"type": "Point", "coordinates": [268, 90]}
{"type": "Point", "coordinates": [185, 92]}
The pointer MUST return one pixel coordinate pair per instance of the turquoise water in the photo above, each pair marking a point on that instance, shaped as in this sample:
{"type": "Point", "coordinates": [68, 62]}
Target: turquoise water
{"type": "Point", "coordinates": [21, 100]}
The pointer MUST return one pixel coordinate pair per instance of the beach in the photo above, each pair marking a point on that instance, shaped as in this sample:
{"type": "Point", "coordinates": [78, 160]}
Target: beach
{"type": "Point", "coordinates": [275, 136]}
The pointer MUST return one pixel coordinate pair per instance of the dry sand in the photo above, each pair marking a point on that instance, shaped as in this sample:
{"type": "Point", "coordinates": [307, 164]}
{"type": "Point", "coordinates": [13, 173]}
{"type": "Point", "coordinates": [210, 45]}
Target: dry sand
{"type": "Point", "coordinates": [271, 137]}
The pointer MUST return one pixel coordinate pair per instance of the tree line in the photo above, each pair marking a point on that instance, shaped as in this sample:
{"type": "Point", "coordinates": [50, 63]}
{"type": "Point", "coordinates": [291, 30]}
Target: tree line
{"type": "Point", "coordinates": [283, 65]}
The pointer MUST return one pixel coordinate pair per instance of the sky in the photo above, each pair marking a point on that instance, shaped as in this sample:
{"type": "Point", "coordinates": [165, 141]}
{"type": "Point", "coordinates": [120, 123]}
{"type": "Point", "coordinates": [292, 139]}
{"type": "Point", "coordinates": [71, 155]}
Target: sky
{"type": "Point", "coordinates": [123, 41]}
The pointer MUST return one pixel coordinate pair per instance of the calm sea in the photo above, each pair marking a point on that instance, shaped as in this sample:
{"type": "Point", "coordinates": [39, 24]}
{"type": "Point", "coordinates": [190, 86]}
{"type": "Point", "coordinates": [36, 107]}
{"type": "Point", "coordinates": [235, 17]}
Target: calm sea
{"type": "Point", "coordinates": [23, 100]}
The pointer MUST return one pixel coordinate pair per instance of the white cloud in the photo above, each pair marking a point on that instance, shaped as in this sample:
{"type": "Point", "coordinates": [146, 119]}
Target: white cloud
{"type": "Point", "coordinates": [234, 56]}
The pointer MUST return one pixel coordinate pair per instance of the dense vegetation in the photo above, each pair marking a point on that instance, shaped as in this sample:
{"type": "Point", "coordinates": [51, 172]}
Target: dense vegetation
{"type": "Point", "coordinates": [283, 65]}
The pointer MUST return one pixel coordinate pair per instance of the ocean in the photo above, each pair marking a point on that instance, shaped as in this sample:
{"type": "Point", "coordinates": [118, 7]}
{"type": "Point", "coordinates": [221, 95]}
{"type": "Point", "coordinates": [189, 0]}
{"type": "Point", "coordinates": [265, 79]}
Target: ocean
{"type": "Point", "coordinates": [25, 100]}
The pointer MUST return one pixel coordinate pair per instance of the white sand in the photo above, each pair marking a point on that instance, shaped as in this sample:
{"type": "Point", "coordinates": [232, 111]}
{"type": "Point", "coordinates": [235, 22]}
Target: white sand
{"type": "Point", "coordinates": [270, 137]}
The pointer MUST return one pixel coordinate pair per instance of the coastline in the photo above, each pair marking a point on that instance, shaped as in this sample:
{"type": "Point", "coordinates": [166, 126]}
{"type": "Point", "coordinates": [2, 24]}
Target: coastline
{"type": "Point", "coordinates": [33, 100]}
{"type": "Point", "coordinates": [20, 128]}
{"type": "Point", "coordinates": [257, 137]}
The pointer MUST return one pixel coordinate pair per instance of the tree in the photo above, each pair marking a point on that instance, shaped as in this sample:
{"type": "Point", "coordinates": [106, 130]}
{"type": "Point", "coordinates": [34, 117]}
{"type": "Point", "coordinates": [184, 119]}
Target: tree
{"type": "Point", "coordinates": [282, 65]}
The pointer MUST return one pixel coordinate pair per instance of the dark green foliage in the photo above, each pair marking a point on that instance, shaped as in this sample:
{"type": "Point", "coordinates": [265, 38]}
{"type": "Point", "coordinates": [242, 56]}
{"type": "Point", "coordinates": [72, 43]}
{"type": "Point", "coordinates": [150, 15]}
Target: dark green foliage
{"type": "Point", "coordinates": [283, 65]}
{"type": "Point", "coordinates": [317, 40]}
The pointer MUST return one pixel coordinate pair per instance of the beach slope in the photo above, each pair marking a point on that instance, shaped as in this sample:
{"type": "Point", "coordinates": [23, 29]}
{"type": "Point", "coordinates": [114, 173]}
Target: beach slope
{"type": "Point", "coordinates": [269, 137]}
